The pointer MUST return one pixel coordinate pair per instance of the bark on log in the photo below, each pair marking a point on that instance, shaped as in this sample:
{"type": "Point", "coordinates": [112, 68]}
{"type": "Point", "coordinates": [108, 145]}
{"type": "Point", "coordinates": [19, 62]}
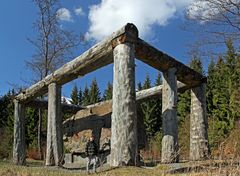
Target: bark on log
{"type": "Point", "coordinates": [19, 146]}
{"type": "Point", "coordinates": [96, 57]}
{"type": "Point", "coordinates": [124, 117]}
{"type": "Point", "coordinates": [163, 62]}
{"type": "Point", "coordinates": [199, 148]}
{"type": "Point", "coordinates": [169, 118]}
{"type": "Point", "coordinates": [49, 149]}
{"type": "Point", "coordinates": [55, 143]}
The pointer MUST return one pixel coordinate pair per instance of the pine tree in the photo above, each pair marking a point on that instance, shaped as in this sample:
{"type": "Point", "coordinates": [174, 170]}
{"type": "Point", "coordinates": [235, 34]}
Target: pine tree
{"type": "Point", "coordinates": [6, 124]}
{"type": "Point", "coordinates": [139, 86]}
{"type": "Point", "coordinates": [196, 65]}
{"type": "Point", "coordinates": [74, 95]}
{"type": "Point", "coordinates": [94, 93]}
{"type": "Point", "coordinates": [31, 127]}
{"type": "Point", "coordinates": [184, 99]}
{"type": "Point", "coordinates": [147, 83]}
{"type": "Point", "coordinates": [221, 99]}
{"type": "Point", "coordinates": [80, 97]}
{"type": "Point", "coordinates": [183, 108]}
{"type": "Point", "coordinates": [210, 87]}
{"type": "Point", "coordinates": [158, 106]}
{"type": "Point", "coordinates": [108, 92]}
{"type": "Point", "coordinates": [158, 81]}
{"type": "Point", "coordinates": [148, 108]}
{"type": "Point", "coordinates": [232, 65]}
{"type": "Point", "coordinates": [235, 96]}
{"type": "Point", "coordinates": [86, 97]}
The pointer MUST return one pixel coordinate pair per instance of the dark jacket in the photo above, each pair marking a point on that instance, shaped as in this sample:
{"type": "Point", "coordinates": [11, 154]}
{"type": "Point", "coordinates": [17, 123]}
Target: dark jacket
{"type": "Point", "coordinates": [91, 148]}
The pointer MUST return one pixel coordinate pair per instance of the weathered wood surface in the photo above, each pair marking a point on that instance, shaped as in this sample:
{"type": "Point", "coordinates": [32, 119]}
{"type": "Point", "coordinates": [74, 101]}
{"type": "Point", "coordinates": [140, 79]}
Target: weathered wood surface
{"type": "Point", "coordinates": [161, 61]}
{"type": "Point", "coordinates": [19, 147]}
{"type": "Point", "coordinates": [96, 57]}
{"type": "Point", "coordinates": [169, 117]}
{"type": "Point", "coordinates": [43, 104]}
{"type": "Point", "coordinates": [199, 148]}
{"type": "Point", "coordinates": [54, 133]}
{"type": "Point", "coordinates": [124, 147]}
{"type": "Point", "coordinates": [105, 107]}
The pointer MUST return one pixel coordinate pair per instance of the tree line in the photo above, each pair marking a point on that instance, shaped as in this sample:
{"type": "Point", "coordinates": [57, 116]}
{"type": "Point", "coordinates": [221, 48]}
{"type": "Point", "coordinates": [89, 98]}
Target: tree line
{"type": "Point", "coordinates": [90, 95]}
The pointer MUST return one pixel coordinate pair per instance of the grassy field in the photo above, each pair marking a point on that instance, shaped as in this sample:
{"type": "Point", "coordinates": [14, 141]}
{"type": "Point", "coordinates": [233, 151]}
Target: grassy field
{"type": "Point", "coordinates": [37, 168]}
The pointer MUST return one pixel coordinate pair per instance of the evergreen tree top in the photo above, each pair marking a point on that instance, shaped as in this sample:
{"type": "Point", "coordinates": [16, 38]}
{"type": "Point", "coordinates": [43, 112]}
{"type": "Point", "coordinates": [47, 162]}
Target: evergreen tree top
{"type": "Point", "coordinates": [147, 82]}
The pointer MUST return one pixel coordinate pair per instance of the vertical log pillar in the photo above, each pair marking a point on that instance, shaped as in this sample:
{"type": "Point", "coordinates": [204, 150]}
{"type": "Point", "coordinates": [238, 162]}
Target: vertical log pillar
{"type": "Point", "coordinates": [169, 118]}
{"type": "Point", "coordinates": [199, 148]}
{"type": "Point", "coordinates": [124, 117]}
{"type": "Point", "coordinates": [19, 146]}
{"type": "Point", "coordinates": [49, 148]}
{"type": "Point", "coordinates": [54, 154]}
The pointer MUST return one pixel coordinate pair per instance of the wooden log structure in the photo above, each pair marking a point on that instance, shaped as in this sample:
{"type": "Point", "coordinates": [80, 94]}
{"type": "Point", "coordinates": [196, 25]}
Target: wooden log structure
{"type": "Point", "coordinates": [19, 146]}
{"type": "Point", "coordinates": [101, 55]}
{"type": "Point", "coordinates": [199, 148]}
{"type": "Point", "coordinates": [54, 153]}
{"type": "Point", "coordinates": [121, 47]}
{"type": "Point", "coordinates": [124, 147]}
{"type": "Point", "coordinates": [169, 117]}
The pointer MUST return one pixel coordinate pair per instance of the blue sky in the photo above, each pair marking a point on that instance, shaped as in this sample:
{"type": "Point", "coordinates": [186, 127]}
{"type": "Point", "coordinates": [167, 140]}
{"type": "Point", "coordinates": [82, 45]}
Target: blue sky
{"type": "Point", "coordinates": [17, 18]}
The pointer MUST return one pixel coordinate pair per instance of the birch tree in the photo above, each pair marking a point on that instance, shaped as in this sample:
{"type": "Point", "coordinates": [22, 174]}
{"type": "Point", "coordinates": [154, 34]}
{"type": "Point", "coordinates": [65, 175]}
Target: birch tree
{"type": "Point", "coordinates": [53, 45]}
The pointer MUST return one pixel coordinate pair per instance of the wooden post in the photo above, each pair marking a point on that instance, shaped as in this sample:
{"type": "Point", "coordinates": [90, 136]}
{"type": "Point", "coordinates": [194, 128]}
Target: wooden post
{"type": "Point", "coordinates": [124, 120]}
{"type": "Point", "coordinates": [199, 148]}
{"type": "Point", "coordinates": [19, 146]}
{"type": "Point", "coordinates": [169, 117]}
{"type": "Point", "coordinates": [54, 134]}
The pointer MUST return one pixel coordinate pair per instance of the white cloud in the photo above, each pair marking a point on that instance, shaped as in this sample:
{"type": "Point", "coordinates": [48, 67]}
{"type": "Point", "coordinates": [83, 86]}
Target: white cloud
{"type": "Point", "coordinates": [110, 15]}
{"type": "Point", "coordinates": [79, 11]}
{"type": "Point", "coordinates": [64, 14]}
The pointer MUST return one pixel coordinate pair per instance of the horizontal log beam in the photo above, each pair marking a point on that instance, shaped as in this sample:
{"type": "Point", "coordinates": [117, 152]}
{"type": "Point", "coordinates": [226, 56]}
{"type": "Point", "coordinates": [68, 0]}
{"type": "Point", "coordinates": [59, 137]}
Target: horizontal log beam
{"type": "Point", "coordinates": [162, 62]}
{"type": "Point", "coordinates": [42, 104]}
{"type": "Point", "coordinates": [96, 57]}
{"type": "Point", "coordinates": [105, 107]}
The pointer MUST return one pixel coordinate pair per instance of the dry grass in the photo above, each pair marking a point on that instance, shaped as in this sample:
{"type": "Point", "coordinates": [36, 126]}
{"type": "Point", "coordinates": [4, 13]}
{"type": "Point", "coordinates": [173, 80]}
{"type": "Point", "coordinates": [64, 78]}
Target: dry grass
{"type": "Point", "coordinates": [207, 168]}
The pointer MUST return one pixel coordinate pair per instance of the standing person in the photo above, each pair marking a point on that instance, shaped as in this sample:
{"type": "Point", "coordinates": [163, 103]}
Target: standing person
{"type": "Point", "coordinates": [91, 152]}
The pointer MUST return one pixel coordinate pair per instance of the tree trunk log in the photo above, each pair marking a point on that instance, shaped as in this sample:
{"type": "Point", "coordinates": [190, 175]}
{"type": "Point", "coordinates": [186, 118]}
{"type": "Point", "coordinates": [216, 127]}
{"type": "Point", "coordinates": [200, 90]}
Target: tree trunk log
{"type": "Point", "coordinates": [55, 114]}
{"type": "Point", "coordinates": [19, 146]}
{"type": "Point", "coordinates": [162, 62]}
{"type": "Point", "coordinates": [169, 117]}
{"type": "Point", "coordinates": [49, 149]}
{"type": "Point", "coordinates": [124, 117]}
{"type": "Point", "coordinates": [199, 148]}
